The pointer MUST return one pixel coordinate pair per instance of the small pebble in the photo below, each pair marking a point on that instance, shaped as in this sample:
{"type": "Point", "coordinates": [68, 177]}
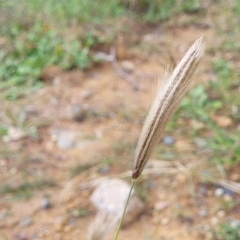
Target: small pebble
{"type": "Point", "coordinates": [61, 221]}
{"type": "Point", "coordinates": [202, 213]}
{"type": "Point", "coordinates": [127, 66]}
{"type": "Point", "coordinates": [214, 221]}
{"type": "Point", "coordinates": [94, 75]}
{"type": "Point", "coordinates": [159, 206]}
{"type": "Point", "coordinates": [221, 214]}
{"type": "Point", "coordinates": [44, 231]}
{"type": "Point", "coordinates": [79, 113]}
{"type": "Point", "coordinates": [75, 212]}
{"type": "Point", "coordinates": [219, 192]}
{"type": "Point", "coordinates": [46, 204]}
{"type": "Point", "coordinates": [111, 115]}
{"type": "Point", "coordinates": [188, 220]}
{"type": "Point", "coordinates": [30, 110]}
{"type": "Point", "coordinates": [66, 140]}
{"type": "Point", "coordinates": [21, 236]}
{"type": "Point", "coordinates": [14, 134]}
{"type": "Point", "coordinates": [72, 221]}
{"type": "Point", "coordinates": [200, 142]}
{"type": "Point", "coordinates": [148, 37]}
{"type": "Point", "coordinates": [104, 169]}
{"type": "Point", "coordinates": [228, 192]}
{"type": "Point", "coordinates": [165, 221]}
{"type": "Point", "coordinates": [26, 221]}
{"type": "Point", "coordinates": [203, 191]}
{"type": "Point", "coordinates": [56, 81]}
{"type": "Point", "coordinates": [86, 94]}
{"type": "Point", "coordinates": [168, 140]}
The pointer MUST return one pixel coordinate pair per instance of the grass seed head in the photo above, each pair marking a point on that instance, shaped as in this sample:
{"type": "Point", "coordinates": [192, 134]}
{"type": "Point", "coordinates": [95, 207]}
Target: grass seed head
{"type": "Point", "coordinates": [170, 93]}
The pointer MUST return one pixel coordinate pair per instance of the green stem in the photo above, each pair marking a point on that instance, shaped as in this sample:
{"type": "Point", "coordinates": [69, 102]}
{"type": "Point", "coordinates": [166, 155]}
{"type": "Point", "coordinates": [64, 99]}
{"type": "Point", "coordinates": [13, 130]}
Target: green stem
{"type": "Point", "coordinates": [124, 211]}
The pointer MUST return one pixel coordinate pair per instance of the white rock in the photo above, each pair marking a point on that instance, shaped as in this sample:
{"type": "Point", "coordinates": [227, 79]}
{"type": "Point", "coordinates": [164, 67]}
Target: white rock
{"type": "Point", "coordinates": [165, 221]}
{"type": "Point", "coordinates": [14, 134]}
{"type": "Point", "coordinates": [102, 225]}
{"type": "Point", "coordinates": [214, 221]}
{"type": "Point", "coordinates": [26, 221]}
{"type": "Point", "coordinates": [203, 212]}
{"type": "Point", "coordinates": [110, 196]}
{"type": "Point", "coordinates": [219, 192]}
{"type": "Point", "coordinates": [67, 139]}
{"type": "Point", "coordinates": [127, 65]}
{"type": "Point", "coordinates": [148, 38]}
{"type": "Point", "coordinates": [159, 206]}
{"type": "Point", "coordinates": [86, 94]}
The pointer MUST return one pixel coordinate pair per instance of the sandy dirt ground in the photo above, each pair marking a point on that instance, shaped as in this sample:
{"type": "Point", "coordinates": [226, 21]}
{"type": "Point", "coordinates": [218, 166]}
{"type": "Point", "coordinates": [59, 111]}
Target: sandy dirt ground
{"type": "Point", "coordinates": [95, 117]}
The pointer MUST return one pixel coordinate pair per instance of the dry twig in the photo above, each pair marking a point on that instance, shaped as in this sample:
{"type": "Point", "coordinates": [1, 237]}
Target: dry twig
{"type": "Point", "coordinates": [112, 58]}
{"type": "Point", "coordinates": [121, 73]}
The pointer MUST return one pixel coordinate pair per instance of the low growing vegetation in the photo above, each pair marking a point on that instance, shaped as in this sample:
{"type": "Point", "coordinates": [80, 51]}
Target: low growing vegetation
{"type": "Point", "coordinates": [36, 35]}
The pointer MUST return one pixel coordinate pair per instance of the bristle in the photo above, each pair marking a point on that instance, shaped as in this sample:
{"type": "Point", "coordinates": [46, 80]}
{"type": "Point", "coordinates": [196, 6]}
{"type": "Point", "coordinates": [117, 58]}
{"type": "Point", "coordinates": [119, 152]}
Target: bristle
{"type": "Point", "coordinates": [166, 102]}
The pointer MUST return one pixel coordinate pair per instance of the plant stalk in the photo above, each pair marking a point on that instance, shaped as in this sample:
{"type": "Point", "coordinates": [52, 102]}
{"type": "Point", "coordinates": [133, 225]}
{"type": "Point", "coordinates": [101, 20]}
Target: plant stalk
{"type": "Point", "coordinates": [124, 211]}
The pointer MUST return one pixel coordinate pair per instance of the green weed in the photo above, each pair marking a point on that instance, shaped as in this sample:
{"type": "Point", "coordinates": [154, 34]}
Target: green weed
{"type": "Point", "coordinates": [226, 231]}
{"type": "Point", "coordinates": [165, 152]}
{"type": "Point", "coordinates": [157, 10]}
{"type": "Point", "coordinates": [190, 6]}
{"type": "Point", "coordinates": [20, 121]}
{"type": "Point", "coordinates": [31, 44]}
{"type": "Point", "coordinates": [225, 147]}
{"type": "Point", "coordinates": [55, 12]}
{"type": "Point", "coordinates": [225, 77]}
{"type": "Point", "coordinates": [108, 161]}
{"type": "Point", "coordinates": [3, 130]}
{"type": "Point", "coordinates": [204, 101]}
{"type": "Point", "coordinates": [26, 189]}
{"type": "Point", "coordinates": [195, 104]}
{"type": "Point", "coordinates": [142, 188]}
{"type": "Point", "coordinates": [153, 11]}
{"type": "Point", "coordinates": [29, 53]}
{"type": "Point", "coordinates": [83, 12]}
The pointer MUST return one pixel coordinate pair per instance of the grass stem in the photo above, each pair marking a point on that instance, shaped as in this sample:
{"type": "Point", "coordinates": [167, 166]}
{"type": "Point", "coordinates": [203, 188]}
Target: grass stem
{"type": "Point", "coordinates": [124, 211]}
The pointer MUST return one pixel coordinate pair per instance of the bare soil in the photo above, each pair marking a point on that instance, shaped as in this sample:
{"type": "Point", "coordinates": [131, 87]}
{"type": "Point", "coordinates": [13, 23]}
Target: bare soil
{"type": "Point", "coordinates": [110, 121]}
